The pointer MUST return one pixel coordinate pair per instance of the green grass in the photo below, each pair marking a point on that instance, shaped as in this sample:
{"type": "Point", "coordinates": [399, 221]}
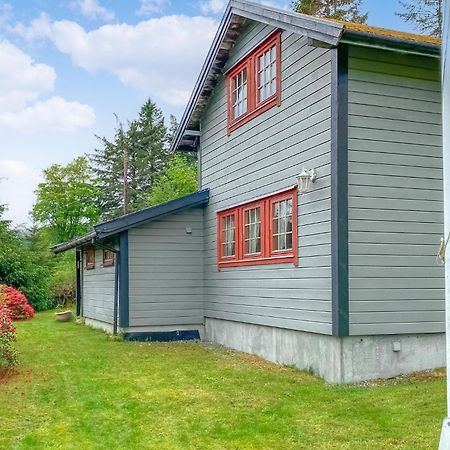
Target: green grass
{"type": "Point", "coordinates": [80, 389]}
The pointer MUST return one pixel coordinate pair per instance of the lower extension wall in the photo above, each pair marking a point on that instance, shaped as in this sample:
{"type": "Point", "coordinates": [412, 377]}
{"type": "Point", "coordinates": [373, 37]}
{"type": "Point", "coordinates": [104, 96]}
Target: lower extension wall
{"type": "Point", "coordinates": [337, 360]}
{"type": "Point", "coordinates": [98, 291]}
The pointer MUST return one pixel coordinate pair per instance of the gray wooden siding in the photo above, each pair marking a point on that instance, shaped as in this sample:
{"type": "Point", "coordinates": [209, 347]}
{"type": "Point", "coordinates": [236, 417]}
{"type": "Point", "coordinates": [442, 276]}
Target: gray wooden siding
{"type": "Point", "coordinates": [261, 158]}
{"type": "Point", "coordinates": [166, 271]}
{"type": "Point", "coordinates": [395, 194]}
{"type": "Point", "coordinates": [98, 290]}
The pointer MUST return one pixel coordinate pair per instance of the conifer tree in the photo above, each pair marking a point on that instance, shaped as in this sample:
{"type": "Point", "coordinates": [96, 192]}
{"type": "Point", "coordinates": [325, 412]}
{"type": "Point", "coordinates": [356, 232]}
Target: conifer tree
{"type": "Point", "coordinates": [348, 10]}
{"type": "Point", "coordinates": [127, 166]}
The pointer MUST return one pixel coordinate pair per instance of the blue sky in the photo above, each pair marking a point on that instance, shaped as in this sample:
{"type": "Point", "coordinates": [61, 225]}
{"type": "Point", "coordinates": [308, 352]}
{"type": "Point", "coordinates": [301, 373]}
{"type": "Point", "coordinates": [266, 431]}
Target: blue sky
{"type": "Point", "coordinates": [68, 65]}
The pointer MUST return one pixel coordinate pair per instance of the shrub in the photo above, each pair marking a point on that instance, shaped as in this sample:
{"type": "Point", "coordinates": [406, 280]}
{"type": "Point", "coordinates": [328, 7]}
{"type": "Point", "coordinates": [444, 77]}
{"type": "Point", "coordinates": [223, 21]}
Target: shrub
{"type": "Point", "coordinates": [15, 303]}
{"type": "Point", "coordinates": [8, 355]}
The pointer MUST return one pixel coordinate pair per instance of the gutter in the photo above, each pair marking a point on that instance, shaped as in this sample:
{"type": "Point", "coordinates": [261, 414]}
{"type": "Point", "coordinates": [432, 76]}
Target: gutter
{"type": "Point", "coordinates": [390, 43]}
{"type": "Point", "coordinates": [87, 238]}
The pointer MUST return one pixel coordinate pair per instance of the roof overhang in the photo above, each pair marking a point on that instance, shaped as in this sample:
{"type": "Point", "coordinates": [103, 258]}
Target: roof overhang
{"type": "Point", "coordinates": [321, 32]}
{"type": "Point", "coordinates": [236, 13]}
{"type": "Point", "coordinates": [113, 227]}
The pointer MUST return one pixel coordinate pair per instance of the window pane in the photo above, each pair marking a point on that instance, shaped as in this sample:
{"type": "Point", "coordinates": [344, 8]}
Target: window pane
{"type": "Point", "coordinates": [228, 236]}
{"type": "Point", "coordinates": [239, 94]}
{"type": "Point", "coordinates": [282, 225]}
{"type": "Point", "coordinates": [267, 74]}
{"type": "Point", "coordinates": [252, 226]}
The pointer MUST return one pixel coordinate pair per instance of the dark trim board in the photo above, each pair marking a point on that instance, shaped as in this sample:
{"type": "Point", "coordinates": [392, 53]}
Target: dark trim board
{"type": "Point", "coordinates": [78, 263]}
{"type": "Point", "coordinates": [339, 193]}
{"type": "Point", "coordinates": [163, 336]}
{"type": "Point", "coordinates": [124, 313]}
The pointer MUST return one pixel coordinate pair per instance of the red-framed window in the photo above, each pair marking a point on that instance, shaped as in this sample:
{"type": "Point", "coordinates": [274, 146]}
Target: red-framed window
{"type": "Point", "coordinates": [89, 255]}
{"type": "Point", "coordinates": [108, 258]}
{"type": "Point", "coordinates": [254, 83]}
{"type": "Point", "coordinates": [263, 231]}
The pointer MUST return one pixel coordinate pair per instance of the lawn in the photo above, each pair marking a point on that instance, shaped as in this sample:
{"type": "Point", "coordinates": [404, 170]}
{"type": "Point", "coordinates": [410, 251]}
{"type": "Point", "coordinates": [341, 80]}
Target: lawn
{"type": "Point", "coordinates": [80, 389]}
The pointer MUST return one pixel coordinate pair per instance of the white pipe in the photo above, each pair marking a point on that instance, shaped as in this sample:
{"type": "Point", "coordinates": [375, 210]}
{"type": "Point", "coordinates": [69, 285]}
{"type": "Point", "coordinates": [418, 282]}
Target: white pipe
{"type": "Point", "coordinates": [445, 434]}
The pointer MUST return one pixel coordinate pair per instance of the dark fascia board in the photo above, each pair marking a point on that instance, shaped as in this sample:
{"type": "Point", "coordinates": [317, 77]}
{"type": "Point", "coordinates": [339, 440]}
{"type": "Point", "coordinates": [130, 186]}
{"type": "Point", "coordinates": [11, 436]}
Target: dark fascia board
{"type": "Point", "coordinates": [391, 43]}
{"type": "Point", "coordinates": [317, 29]}
{"type": "Point", "coordinates": [132, 220]}
{"type": "Point", "coordinates": [138, 218]}
{"type": "Point", "coordinates": [77, 242]}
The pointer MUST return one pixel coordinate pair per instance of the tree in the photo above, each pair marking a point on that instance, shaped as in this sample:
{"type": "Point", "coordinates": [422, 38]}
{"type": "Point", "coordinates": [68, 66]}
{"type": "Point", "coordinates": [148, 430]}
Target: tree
{"type": "Point", "coordinates": [127, 166]}
{"type": "Point", "coordinates": [66, 201]}
{"type": "Point", "coordinates": [21, 267]}
{"type": "Point", "coordinates": [425, 15]}
{"type": "Point", "coordinates": [348, 10]}
{"type": "Point", "coordinates": [178, 179]}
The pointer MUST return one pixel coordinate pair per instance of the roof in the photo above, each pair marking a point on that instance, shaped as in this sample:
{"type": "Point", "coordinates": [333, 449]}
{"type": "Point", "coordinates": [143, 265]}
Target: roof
{"type": "Point", "coordinates": [325, 32]}
{"type": "Point", "coordinates": [113, 227]}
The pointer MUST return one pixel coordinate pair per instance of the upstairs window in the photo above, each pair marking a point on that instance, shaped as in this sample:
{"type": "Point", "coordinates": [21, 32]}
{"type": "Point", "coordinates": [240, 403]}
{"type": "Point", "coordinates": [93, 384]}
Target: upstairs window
{"type": "Point", "coordinates": [254, 83]}
{"type": "Point", "coordinates": [261, 232]}
{"type": "Point", "coordinates": [90, 258]}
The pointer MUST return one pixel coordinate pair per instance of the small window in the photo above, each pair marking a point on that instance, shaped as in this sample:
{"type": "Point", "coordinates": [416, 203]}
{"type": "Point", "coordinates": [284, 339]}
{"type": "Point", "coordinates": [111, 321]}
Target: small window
{"type": "Point", "coordinates": [90, 258]}
{"type": "Point", "coordinates": [254, 83]}
{"type": "Point", "coordinates": [108, 258]}
{"type": "Point", "coordinates": [259, 232]}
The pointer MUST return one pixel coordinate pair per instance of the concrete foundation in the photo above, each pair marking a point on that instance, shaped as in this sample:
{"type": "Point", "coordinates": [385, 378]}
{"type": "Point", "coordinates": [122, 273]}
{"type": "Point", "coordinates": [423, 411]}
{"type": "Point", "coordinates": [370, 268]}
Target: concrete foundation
{"type": "Point", "coordinates": [337, 360]}
{"type": "Point", "coordinates": [94, 323]}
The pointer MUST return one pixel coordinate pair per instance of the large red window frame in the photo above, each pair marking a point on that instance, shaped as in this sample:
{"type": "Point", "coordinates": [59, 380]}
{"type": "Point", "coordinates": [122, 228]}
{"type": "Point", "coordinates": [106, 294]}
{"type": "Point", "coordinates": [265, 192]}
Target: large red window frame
{"type": "Point", "coordinates": [250, 64]}
{"type": "Point", "coordinates": [267, 255]}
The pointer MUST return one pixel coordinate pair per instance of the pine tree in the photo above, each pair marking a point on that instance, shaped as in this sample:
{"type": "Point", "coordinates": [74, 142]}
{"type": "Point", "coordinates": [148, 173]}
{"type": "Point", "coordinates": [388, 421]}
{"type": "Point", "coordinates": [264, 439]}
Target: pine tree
{"type": "Point", "coordinates": [348, 10]}
{"type": "Point", "coordinates": [127, 166]}
{"type": "Point", "coordinates": [425, 15]}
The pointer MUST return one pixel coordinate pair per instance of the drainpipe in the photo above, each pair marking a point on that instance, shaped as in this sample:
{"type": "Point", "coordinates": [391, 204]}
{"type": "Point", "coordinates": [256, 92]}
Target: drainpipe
{"type": "Point", "coordinates": [445, 434]}
{"type": "Point", "coordinates": [78, 262]}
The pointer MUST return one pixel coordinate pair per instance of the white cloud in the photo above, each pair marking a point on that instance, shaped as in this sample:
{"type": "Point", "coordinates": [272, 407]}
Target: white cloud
{"type": "Point", "coordinates": [159, 56]}
{"type": "Point", "coordinates": [21, 79]}
{"type": "Point", "coordinates": [55, 114]}
{"type": "Point", "coordinates": [5, 13]}
{"type": "Point", "coordinates": [38, 28]}
{"type": "Point", "coordinates": [213, 6]}
{"type": "Point", "coordinates": [94, 10]}
{"type": "Point", "coordinates": [23, 82]}
{"type": "Point", "coordinates": [148, 7]}
{"type": "Point", "coordinates": [18, 181]}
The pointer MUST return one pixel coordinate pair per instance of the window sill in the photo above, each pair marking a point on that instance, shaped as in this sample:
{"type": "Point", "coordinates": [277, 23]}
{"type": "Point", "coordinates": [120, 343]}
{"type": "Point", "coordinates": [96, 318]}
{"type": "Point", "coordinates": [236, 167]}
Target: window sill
{"type": "Point", "coordinates": [282, 259]}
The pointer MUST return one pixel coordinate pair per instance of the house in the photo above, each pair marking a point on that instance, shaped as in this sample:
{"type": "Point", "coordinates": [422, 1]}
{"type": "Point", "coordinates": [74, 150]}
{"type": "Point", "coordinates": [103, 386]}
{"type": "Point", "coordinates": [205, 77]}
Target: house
{"type": "Point", "coordinates": [339, 276]}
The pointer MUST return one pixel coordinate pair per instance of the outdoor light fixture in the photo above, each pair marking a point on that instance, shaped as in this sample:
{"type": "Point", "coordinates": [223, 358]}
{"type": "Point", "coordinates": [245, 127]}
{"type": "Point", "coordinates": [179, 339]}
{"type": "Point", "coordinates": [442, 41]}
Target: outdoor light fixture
{"type": "Point", "coordinates": [304, 180]}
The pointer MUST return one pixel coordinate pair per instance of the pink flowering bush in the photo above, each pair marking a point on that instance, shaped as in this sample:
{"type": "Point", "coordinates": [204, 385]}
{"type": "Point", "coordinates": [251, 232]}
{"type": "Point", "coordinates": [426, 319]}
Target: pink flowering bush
{"type": "Point", "coordinates": [16, 303]}
{"type": "Point", "coordinates": [8, 355]}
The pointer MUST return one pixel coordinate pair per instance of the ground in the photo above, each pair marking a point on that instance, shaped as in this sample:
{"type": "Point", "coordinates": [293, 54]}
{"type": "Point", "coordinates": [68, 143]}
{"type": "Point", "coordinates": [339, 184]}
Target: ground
{"type": "Point", "coordinates": [77, 388]}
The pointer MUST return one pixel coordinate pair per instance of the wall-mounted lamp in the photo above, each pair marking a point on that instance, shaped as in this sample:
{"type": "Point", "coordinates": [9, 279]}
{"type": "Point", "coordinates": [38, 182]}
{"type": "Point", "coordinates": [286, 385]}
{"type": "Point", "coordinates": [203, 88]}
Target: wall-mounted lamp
{"type": "Point", "coordinates": [304, 180]}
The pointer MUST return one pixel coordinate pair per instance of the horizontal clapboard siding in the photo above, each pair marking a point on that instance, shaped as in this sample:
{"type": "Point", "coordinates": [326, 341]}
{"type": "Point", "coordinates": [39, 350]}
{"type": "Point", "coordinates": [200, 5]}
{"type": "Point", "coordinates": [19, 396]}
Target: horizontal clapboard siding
{"type": "Point", "coordinates": [395, 194]}
{"type": "Point", "coordinates": [98, 290]}
{"type": "Point", "coordinates": [260, 158]}
{"type": "Point", "coordinates": [166, 271]}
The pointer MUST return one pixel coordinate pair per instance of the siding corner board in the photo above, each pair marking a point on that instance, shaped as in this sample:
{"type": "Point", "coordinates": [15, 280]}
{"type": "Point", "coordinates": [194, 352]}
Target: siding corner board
{"type": "Point", "coordinates": [339, 193]}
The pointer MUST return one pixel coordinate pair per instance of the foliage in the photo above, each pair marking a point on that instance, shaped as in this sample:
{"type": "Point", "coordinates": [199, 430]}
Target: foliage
{"type": "Point", "coordinates": [62, 281]}
{"type": "Point", "coordinates": [16, 303]}
{"type": "Point", "coordinates": [127, 166]}
{"type": "Point", "coordinates": [69, 371]}
{"type": "Point", "coordinates": [21, 267]}
{"type": "Point", "coordinates": [66, 201]}
{"type": "Point", "coordinates": [425, 15]}
{"type": "Point", "coordinates": [178, 178]}
{"type": "Point", "coordinates": [348, 10]}
{"type": "Point", "coordinates": [8, 355]}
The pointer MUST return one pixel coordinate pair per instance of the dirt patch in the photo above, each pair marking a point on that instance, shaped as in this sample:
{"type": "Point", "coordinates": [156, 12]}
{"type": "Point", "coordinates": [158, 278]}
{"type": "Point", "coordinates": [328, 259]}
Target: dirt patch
{"type": "Point", "coordinates": [7, 374]}
{"type": "Point", "coordinates": [425, 375]}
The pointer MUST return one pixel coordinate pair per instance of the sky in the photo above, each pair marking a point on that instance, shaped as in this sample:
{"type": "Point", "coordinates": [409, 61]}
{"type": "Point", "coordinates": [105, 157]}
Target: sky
{"type": "Point", "coordinates": [69, 65]}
